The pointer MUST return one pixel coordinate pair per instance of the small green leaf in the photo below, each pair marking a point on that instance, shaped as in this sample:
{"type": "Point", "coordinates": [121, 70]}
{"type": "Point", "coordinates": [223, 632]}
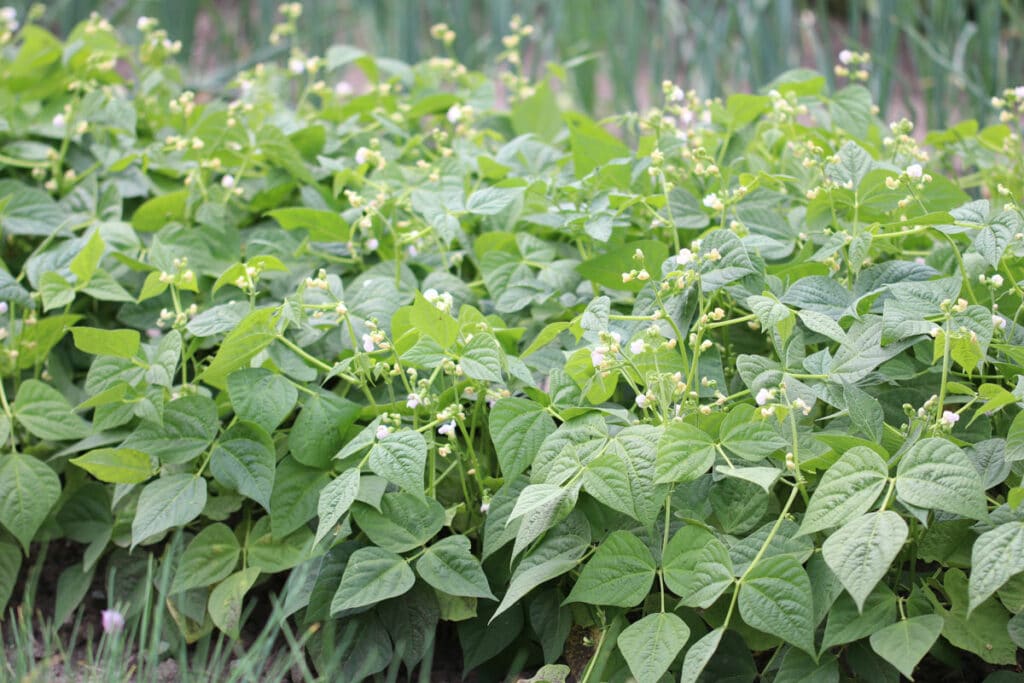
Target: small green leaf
{"type": "Point", "coordinates": [372, 575]}
{"type": "Point", "coordinates": [650, 645]}
{"type": "Point", "coordinates": [335, 500]}
{"type": "Point", "coordinates": [322, 226]}
{"type": "Point", "coordinates": [905, 643]}
{"type": "Point", "coordinates": [619, 574]}
{"type": "Point", "coordinates": [116, 465]}
{"type": "Point", "coordinates": [225, 602]}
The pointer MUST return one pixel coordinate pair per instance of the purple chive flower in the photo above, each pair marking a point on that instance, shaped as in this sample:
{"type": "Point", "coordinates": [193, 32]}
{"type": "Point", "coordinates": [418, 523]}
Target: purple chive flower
{"type": "Point", "coordinates": [113, 621]}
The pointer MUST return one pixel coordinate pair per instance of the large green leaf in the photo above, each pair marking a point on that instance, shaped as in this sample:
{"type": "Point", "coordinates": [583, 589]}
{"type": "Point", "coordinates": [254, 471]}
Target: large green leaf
{"type": "Point", "coordinates": [166, 503]}
{"type": "Point", "coordinates": [116, 465]}
{"type": "Point", "coordinates": [518, 427]}
{"type": "Point", "coordinates": [225, 603]}
{"type": "Point", "coordinates": [319, 430]}
{"type": "Point", "coordinates": [697, 566]}
{"type": "Point", "coordinates": [619, 574]}
{"type": "Point", "coordinates": [244, 460]}
{"type": "Point", "coordinates": [684, 453]}
{"type": "Point", "coordinates": [448, 565]}
{"type": "Point", "coordinates": [935, 474]}
{"type": "Point", "coordinates": [189, 425]}
{"type": "Point", "coordinates": [403, 522]}
{"type": "Point", "coordinates": [861, 552]}
{"type": "Point", "coordinates": [997, 555]}
{"type": "Point", "coordinates": [401, 458]}
{"type": "Point", "coordinates": [45, 413]}
{"type": "Point", "coordinates": [372, 575]}
{"type": "Point", "coordinates": [28, 491]}
{"type": "Point", "coordinates": [650, 645]}
{"type": "Point", "coordinates": [559, 552]}
{"type": "Point", "coordinates": [208, 558]}
{"type": "Point", "coordinates": [262, 397]}
{"type": "Point", "coordinates": [849, 488]}
{"type": "Point", "coordinates": [775, 597]}
{"type": "Point", "coordinates": [905, 643]}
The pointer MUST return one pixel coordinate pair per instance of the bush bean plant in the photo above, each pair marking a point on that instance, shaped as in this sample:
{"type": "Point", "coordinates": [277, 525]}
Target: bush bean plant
{"type": "Point", "coordinates": [723, 389]}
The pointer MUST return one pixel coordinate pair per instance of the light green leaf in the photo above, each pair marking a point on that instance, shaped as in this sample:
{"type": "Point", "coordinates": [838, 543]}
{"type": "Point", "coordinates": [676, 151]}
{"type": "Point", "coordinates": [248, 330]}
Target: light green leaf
{"type": "Point", "coordinates": [208, 558]}
{"type": "Point", "coordinates": [490, 201]}
{"type": "Point", "coordinates": [28, 491]}
{"type": "Point", "coordinates": [116, 465]}
{"type": "Point", "coordinates": [225, 602]}
{"type": "Point", "coordinates": [997, 555]}
{"type": "Point", "coordinates": [905, 643]}
{"type": "Point", "coordinates": [697, 566]}
{"type": "Point", "coordinates": [861, 552]}
{"type": "Point", "coordinates": [1015, 440]}
{"type": "Point", "coordinates": [168, 502]}
{"type": "Point", "coordinates": [429, 320]}
{"type": "Point", "coordinates": [86, 261]}
{"type": "Point", "coordinates": [935, 474]}
{"type": "Point", "coordinates": [322, 226]}
{"type": "Point", "coordinates": [335, 500]}
{"type": "Point", "coordinates": [252, 335]}
{"type": "Point", "coordinates": [372, 575]}
{"type": "Point", "coordinates": [849, 488]}
{"type": "Point", "coordinates": [619, 574]}
{"type": "Point", "coordinates": [121, 343]}
{"type": "Point", "coordinates": [401, 458]}
{"type": "Point", "coordinates": [244, 460]}
{"type": "Point", "coordinates": [650, 645]}
{"type": "Point", "coordinates": [450, 566]}
{"type": "Point", "coordinates": [775, 597]}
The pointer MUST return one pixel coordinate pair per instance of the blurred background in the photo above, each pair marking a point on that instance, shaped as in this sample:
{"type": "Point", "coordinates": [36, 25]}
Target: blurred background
{"type": "Point", "coordinates": [934, 61]}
